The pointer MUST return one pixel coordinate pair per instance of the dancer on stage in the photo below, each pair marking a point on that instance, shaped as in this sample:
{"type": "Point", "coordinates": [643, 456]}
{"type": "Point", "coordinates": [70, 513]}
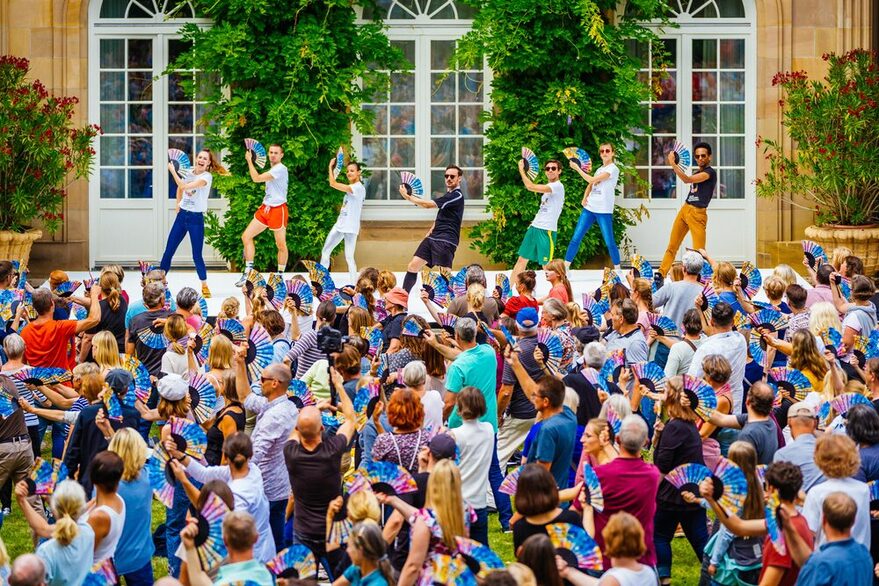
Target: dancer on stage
{"type": "Point", "coordinates": [597, 205]}
{"type": "Point", "coordinates": [693, 215]}
{"type": "Point", "coordinates": [192, 202]}
{"type": "Point", "coordinates": [439, 246]}
{"type": "Point", "coordinates": [272, 213]}
{"type": "Point", "coordinates": [347, 225]}
{"type": "Point", "coordinates": [539, 241]}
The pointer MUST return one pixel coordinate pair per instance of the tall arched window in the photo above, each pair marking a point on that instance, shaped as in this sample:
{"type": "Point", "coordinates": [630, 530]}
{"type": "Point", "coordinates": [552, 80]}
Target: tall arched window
{"type": "Point", "coordinates": [707, 93]}
{"type": "Point", "coordinates": [430, 116]}
{"type": "Point", "coordinates": [143, 113]}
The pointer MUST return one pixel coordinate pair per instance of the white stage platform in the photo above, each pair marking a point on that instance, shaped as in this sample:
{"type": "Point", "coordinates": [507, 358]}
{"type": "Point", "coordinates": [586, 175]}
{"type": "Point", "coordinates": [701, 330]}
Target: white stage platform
{"type": "Point", "coordinates": [222, 285]}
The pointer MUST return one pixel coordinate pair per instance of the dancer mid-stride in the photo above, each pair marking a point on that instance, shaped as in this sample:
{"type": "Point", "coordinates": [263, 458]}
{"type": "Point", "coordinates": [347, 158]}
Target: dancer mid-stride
{"type": "Point", "coordinates": [193, 191]}
{"type": "Point", "coordinates": [539, 240]}
{"type": "Point", "coordinates": [598, 203]}
{"type": "Point", "coordinates": [347, 225]}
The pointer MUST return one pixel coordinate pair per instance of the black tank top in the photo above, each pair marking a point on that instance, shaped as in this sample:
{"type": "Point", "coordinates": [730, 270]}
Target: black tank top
{"type": "Point", "coordinates": [214, 451]}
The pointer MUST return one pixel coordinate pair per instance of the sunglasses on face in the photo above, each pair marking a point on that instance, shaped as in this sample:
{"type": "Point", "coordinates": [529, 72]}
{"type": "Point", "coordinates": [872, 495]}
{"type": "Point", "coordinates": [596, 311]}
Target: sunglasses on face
{"type": "Point", "coordinates": [550, 168]}
{"type": "Point", "coordinates": [265, 379]}
{"type": "Point", "coordinates": [449, 176]}
{"type": "Point", "coordinates": [602, 151]}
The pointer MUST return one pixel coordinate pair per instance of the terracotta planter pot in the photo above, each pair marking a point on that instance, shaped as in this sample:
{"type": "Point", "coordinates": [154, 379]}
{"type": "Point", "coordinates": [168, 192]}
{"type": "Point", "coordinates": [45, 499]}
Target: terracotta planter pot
{"type": "Point", "coordinates": [17, 245]}
{"type": "Point", "coordinates": [862, 240]}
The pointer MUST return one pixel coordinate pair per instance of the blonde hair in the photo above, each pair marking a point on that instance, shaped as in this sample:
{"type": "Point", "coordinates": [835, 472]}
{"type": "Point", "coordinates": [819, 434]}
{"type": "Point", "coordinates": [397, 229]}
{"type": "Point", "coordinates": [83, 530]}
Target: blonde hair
{"type": "Point", "coordinates": [386, 281]}
{"type": "Point", "coordinates": [644, 290]}
{"type": "Point", "coordinates": [775, 287]}
{"type": "Point", "coordinates": [230, 308]}
{"type": "Point", "coordinates": [522, 574]}
{"type": "Point", "coordinates": [786, 274]}
{"type": "Point", "coordinates": [68, 503]}
{"type": "Point", "coordinates": [476, 296]}
{"type": "Point", "coordinates": [220, 352]}
{"type": "Point", "coordinates": [724, 275]}
{"type": "Point", "coordinates": [175, 329]}
{"type": "Point", "coordinates": [822, 316]}
{"type": "Point", "coordinates": [229, 382]}
{"type": "Point", "coordinates": [105, 350]}
{"type": "Point", "coordinates": [168, 409]}
{"type": "Point", "coordinates": [444, 497]}
{"type": "Point", "coordinates": [805, 355]}
{"type": "Point", "coordinates": [129, 446]}
{"type": "Point", "coordinates": [92, 385]}
{"type": "Point", "coordinates": [111, 289]}
{"type": "Point", "coordinates": [4, 555]}
{"type": "Point", "coordinates": [574, 315]}
{"type": "Point", "coordinates": [838, 256]}
{"type": "Point", "coordinates": [743, 454]}
{"type": "Point", "coordinates": [116, 270]}
{"type": "Point", "coordinates": [363, 505]}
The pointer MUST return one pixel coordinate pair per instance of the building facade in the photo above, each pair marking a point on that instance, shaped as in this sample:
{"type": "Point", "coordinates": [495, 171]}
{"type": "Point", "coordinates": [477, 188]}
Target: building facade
{"type": "Point", "coordinates": [724, 53]}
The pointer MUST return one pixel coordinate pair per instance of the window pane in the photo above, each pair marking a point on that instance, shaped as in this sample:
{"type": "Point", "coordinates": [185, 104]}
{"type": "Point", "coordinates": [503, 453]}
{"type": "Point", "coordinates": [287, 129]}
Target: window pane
{"type": "Point", "coordinates": [639, 148]}
{"type": "Point", "coordinates": [113, 150]}
{"type": "Point", "coordinates": [374, 154]}
{"type": "Point", "coordinates": [634, 190]}
{"type": "Point", "coordinates": [140, 86]}
{"type": "Point", "coordinates": [704, 87]}
{"type": "Point", "coordinates": [473, 183]}
{"type": "Point", "coordinates": [470, 152]}
{"type": "Point", "coordinates": [203, 118]}
{"type": "Point", "coordinates": [442, 120]}
{"type": "Point", "coordinates": [113, 8]}
{"type": "Point", "coordinates": [112, 183]}
{"type": "Point", "coordinates": [112, 53]}
{"type": "Point", "coordinates": [440, 52]}
{"type": "Point", "coordinates": [731, 8]}
{"type": "Point", "coordinates": [140, 118]}
{"type": "Point", "coordinates": [732, 53]}
{"type": "Point", "coordinates": [403, 120]}
{"type": "Point", "coordinates": [468, 120]}
{"type": "Point", "coordinates": [377, 185]}
{"type": "Point", "coordinates": [408, 49]}
{"type": "Point", "coordinates": [140, 54]}
{"type": "Point", "coordinates": [184, 143]}
{"type": "Point", "coordinates": [176, 93]}
{"type": "Point", "coordinates": [443, 11]}
{"type": "Point", "coordinates": [662, 184]}
{"type": "Point", "coordinates": [732, 118]}
{"type": "Point", "coordinates": [402, 152]}
{"type": "Point", "coordinates": [705, 119]}
{"type": "Point", "coordinates": [206, 84]}
{"type": "Point", "coordinates": [731, 184]}
{"type": "Point", "coordinates": [140, 183]}
{"type": "Point", "coordinates": [403, 10]}
{"type": "Point", "coordinates": [732, 86]}
{"type": "Point", "coordinates": [180, 118]}
{"type": "Point", "coordinates": [661, 146]}
{"type": "Point", "coordinates": [639, 50]}
{"type": "Point", "coordinates": [140, 152]}
{"type": "Point", "coordinates": [732, 151]}
{"type": "Point", "coordinates": [380, 118]}
{"type": "Point", "coordinates": [177, 47]}
{"type": "Point", "coordinates": [704, 54]}
{"type": "Point", "coordinates": [668, 87]}
{"type": "Point", "coordinates": [442, 87]}
{"type": "Point", "coordinates": [113, 118]}
{"type": "Point", "coordinates": [442, 152]}
{"type": "Point", "coordinates": [664, 118]}
{"type": "Point", "coordinates": [671, 51]}
{"type": "Point", "coordinates": [112, 86]}
{"type": "Point", "coordinates": [402, 87]}
{"type": "Point", "coordinates": [470, 87]}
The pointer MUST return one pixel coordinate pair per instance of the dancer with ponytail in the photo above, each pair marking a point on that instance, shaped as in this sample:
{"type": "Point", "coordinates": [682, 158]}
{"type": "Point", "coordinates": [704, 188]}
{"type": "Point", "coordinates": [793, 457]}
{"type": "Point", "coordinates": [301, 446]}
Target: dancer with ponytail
{"type": "Point", "coordinates": [370, 565]}
{"type": "Point", "coordinates": [69, 550]}
{"type": "Point", "coordinates": [347, 225]}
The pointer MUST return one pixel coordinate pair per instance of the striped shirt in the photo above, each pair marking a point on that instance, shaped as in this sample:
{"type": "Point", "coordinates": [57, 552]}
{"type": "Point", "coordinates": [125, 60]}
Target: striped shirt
{"type": "Point", "coordinates": [274, 422]}
{"type": "Point", "coordinates": [305, 351]}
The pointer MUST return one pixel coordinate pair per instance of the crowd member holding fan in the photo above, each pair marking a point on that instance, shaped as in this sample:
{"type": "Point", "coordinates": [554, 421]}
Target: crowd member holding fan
{"type": "Point", "coordinates": [193, 192]}
{"type": "Point", "coordinates": [693, 215]}
{"type": "Point", "coordinates": [439, 245]}
{"type": "Point", "coordinates": [539, 241]}
{"type": "Point", "coordinates": [598, 204]}
{"type": "Point", "coordinates": [347, 225]}
{"type": "Point", "coordinates": [272, 213]}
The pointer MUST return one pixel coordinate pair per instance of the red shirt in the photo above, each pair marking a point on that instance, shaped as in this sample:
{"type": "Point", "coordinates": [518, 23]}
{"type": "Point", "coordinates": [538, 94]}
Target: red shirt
{"type": "Point", "coordinates": [771, 557]}
{"type": "Point", "coordinates": [630, 485]}
{"type": "Point", "coordinates": [49, 343]}
{"type": "Point", "coordinates": [561, 293]}
{"type": "Point", "coordinates": [518, 302]}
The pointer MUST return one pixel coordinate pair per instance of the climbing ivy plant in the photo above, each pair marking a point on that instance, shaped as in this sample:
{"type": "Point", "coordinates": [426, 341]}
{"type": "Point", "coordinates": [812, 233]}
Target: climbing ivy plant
{"type": "Point", "coordinates": [292, 73]}
{"type": "Point", "coordinates": [563, 75]}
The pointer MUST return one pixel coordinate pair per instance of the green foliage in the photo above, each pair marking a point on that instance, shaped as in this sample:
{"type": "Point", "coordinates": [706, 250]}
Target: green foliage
{"type": "Point", "coordinates": [40, 150]}
{"type": "Point", "coordinates": [291, 74]}
{"type": "Point", "coordinates": [563, 76]}
{"type": "Point", "coordinates": [835, 125]}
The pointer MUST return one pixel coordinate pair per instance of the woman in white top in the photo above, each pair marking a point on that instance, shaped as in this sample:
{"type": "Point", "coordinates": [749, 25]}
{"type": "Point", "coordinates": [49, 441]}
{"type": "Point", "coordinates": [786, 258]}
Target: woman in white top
{"type": "Point", "coordinates": [415, 378]}
{"type": "Point", "coordinates": [598, 202]}
{"type": "Point", "coordinates": [106, 514]}
{"type": "Point", "coordinates": [347, 225]}
{"type": "Point", "coordinates": [193, 191]}
{"type": "Point", "coordinates": [244, 480]}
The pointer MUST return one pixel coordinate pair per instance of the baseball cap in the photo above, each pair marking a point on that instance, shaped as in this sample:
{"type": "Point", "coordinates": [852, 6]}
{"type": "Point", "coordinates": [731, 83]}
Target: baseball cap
{"type": "Point", "coordinates": [442, 446]}
{"type": "Point", "coordinates": [172, 387]}
{"type": "Point", "coordinates": [119, 380]}
{"type": "Point", "coordinates": [586, 334]}
{"type": "Point", "coordinates": [808, 407]}
{"type": "Point", "coordinates": [527, 318]}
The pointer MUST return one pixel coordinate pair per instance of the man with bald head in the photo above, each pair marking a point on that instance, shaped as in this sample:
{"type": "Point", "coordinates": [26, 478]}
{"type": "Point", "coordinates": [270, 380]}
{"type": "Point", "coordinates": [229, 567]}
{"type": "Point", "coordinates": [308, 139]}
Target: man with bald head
{"type": "Point", "coordinates": [28, 570]}
{"type": "Point", "coordinates": [275, 419]}
{"type": "Point", "coordinates": [314, 463]}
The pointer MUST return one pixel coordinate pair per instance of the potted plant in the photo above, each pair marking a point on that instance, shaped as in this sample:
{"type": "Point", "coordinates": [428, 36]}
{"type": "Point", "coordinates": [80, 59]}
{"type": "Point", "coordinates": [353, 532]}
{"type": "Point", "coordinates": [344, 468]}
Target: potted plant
{"type": "Point", "coordinates": [834, 125]}
{"type": "Point", "coordinates": [41, 152]}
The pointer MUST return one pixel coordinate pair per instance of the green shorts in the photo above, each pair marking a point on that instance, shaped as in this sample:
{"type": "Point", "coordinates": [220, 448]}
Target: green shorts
{"type": "Point", "coordinates": [538, 245]}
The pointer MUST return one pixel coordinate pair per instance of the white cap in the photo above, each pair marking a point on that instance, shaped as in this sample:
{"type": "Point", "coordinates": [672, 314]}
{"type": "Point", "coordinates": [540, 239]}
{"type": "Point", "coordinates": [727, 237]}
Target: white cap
{"type": "Point", "coordinates": [172, 387]}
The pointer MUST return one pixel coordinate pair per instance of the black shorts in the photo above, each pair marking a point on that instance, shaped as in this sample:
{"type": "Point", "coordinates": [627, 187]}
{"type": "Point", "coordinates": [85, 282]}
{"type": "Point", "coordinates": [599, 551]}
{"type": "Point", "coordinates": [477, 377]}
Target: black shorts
{"type": "Point", "coordinates": [437, 253]}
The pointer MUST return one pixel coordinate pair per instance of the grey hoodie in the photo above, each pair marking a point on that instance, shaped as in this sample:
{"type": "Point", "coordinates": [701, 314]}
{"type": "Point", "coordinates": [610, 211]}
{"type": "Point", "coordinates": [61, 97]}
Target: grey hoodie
{"type": "Point", "coordinates": [866, 316]}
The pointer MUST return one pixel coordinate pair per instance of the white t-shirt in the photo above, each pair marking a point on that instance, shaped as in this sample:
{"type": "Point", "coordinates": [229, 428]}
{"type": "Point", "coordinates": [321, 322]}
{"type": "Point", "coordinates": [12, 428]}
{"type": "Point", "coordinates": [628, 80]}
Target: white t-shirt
{"type": "Point", "coordinates": [603, 193]}
{"type": "Point", "coordinates": [475, 440]}
{"type": "Point", "coordinates": [276, 188]}
{"type": "Point", "coordinates": [859, 491]}
{"type": "Point", "coordinates": [433, 410]}
{"type": "Point", "coordinates": [348, 221]}
{"type": "Point", "coordinates": [196, 200]}
{"type": "Point", "coordinates": [551, 204]}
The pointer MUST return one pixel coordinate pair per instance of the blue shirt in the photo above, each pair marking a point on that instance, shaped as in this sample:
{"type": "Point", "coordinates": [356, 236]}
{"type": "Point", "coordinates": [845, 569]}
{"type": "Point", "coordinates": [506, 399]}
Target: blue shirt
{"type": "Point", "coordinates": [869, 464]}
{"type": "Point", "coordinates": [374, 578]}
{"type": "Point", "coordinates": [249, 572]}
{"type": "Point", "coordinates": [838, 563]}
{"type": "Point", "coordinates": [476, 367]}
{"type": "Point", "coordinates": [69, 564]}
{"type": "Point", "coordinates": [801, 453]}
{"type": "Point", "coordinates": [135, 548]}
{"type": "Point", "coordinates": [555, 443]}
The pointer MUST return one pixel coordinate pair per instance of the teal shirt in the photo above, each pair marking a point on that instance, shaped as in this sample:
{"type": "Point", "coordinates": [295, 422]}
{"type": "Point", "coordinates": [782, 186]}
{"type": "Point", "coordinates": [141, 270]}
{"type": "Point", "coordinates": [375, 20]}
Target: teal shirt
{"type": "Point", "coordinates": [374, 578]}
{"type": "Point", "coordinates": [250, 571]}
{"type": "Point", "coordinates": [476, 367]}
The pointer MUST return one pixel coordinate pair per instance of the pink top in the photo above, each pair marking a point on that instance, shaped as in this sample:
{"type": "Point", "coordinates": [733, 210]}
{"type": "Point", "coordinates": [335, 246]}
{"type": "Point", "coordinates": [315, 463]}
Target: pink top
{"type": "Point", "coordinates": [560, 293]}
{"type": "Point", "coordinates": [818, 294]}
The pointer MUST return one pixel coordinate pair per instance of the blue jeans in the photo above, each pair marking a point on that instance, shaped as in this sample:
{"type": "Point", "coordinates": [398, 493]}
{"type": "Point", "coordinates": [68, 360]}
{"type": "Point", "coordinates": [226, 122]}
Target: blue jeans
{"type": "Point", "coordinates": [58, 436]}
{"type": "Point", "coordinates": [141, 577]}
{"type": "Point", "coordinates": [501, 500]}
{"type": "Point", "coordinates": [694, 522]}
{"type": "Point", "coordinates": [605, 224]}
{"type": "Point", "coordinates": [277, 512]}
{"type": "Point", "coordinates": [479, 527]}
{"type": "Point", "coordinates": [175, 521]}
{"type": "Point", "coordinates": [193, 223]}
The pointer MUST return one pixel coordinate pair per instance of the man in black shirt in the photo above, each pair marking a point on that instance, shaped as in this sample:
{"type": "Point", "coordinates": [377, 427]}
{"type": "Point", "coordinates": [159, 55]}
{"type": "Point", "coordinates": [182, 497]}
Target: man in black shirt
{"type": "Point", "coordinates": [439, 246]}
{"type": "Point", "coordinates": [693, 215]}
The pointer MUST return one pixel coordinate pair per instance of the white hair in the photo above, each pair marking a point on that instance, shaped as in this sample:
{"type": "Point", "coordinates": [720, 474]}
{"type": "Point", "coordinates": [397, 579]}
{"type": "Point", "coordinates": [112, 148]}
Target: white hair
{"type": "Point", "coordinates": [594, 355]}
{"type": "Point", "coordinates": [692, 262]}
{"type": "Point", "coordinates": [620, 404]}
{"type": "Point", "coordinates": [414, 374]}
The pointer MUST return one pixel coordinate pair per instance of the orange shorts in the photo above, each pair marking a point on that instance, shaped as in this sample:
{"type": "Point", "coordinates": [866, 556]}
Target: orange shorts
{"type": "Point", "coordinates": [272, 217]}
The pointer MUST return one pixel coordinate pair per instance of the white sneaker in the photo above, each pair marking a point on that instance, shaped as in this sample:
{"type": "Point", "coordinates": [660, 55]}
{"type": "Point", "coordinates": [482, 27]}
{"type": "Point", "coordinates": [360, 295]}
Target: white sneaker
{"type": "Point", "coordinates": [567, 265]}
{"type": "Point", "coordinates": [240, 282]}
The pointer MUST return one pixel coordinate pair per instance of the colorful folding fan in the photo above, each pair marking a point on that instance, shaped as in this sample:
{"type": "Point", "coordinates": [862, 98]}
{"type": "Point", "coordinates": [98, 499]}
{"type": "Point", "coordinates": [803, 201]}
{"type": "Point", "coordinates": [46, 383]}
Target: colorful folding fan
{"type": "Point", "coordinates": [687, 477]}
{"type": "Point", "coordinates": [209, 542]}
{"type": "Point", "coordinates": [296, 561]}
{"type": "Point", "coordinates": [707, 273]}
{"type": "Point", "coordinates": [161, 477]}
{"type": "Point", "coordinates": [730, 486]}
{"type": "Point", "coordinates": [502, 287]}
{"type": "Point", "coordinates": [790, 380]}
{"type": "Point", "coordinates": [259, 151]}
{"type": "Point", "coordinates": [595, 309]}
{"type": "Point", "coordinates": [447, 322]}
{"type": "Point", "coordinates": [448, 571]}
{"type": "Point", "coordinates": [864, 349]}
{"type": "Point", "coordinates": [102, 574]}
{"type": "Point", "coordinates": [412, 184]}
{"type": "Point", "coordinates": [532, 165]}
{"type": "Point", "coordinates": [301, 294]}
{"type": "Point", "coordinates": [189, 437]}
{"type": "Point", "coordinates": [253, 280]}
{"type": "Point", "coordinates": [574, 545]}
{"type": "Point", "coordinates": [259, 351]}
{"type": "Point", "coordinates": [551, 346]}
{"type": "Point", "coordinates": [682, 156]}
{"type": "Point", "coordinates": [112, 405]}
{"type": "Point", "coordinates": [202, 342]}
{"type": "Point", "coordinates": [322, 285]}
{"type": "Point", "coordinates": [388, 478]}
{"type": "Point", "coordinates": [202, 397]}
{"type": "Point", "coordinates": [708, 298]}
{"type": "Point", "coordinates": [832, 339]}
{"type": "Point", "coordinates": [579, 157]}
{"type": "Point", "coordinates": [641, 268]}
{"type": "Point", "coordinates": [663, 325]}
{"type": "Point", "coordinates": [46, 474]}
{"type": "Point", "coordinates": [153, 337]}
{"type": "Point", "coordinates": [615, 362]}
{"type": "Point", "coordinates": [42, 375]}
{"type": "Point", "coordinates": [412, 328]}
{"type": "Point", "coordinates": [437, 288]}
{"type": "Point", "coordinates": [66, 289]}
{"type": "Point", "coordinates": [299, 394]}
{"type": "Point", "coordinates": [814, 254]}
{"type": "Point", "coordinates": [458, 283]}
{"type": "Point", "coordinates": [768, 319]}
{"type": "Point", "coordinates": [773, 527]}
{"type": "Point", "coordinates": [276, 290]}
{"type": "Point", "coordinates": [593, 486]}
{"type": "Point", "coordinates": [613, 420]}
{"type": "Point", "coordinates": [232, 329]}
{"type": "Point", "coordinates": [750, 279]}
{"type": "Point", "coordinates": [650, 375]}
{"type": "Point", "coordinates": [842, 403]}
{"type": "Point", "coordinates": [511, 481]}
{"type": "Point", "coordinates": [365, 400]}
{"type": "Point", "coordinates": [703, 399]}
{"type": "Point", "coordinates": [181, 158]}
{"type": "Point", "coordinates": [873, 485]}
{"type": "Point", "coordinates": [340, 160]}
{"type": "Point", "coordinates": [758, 354]}
{"type": "Point", "coordinates": [482, 556]}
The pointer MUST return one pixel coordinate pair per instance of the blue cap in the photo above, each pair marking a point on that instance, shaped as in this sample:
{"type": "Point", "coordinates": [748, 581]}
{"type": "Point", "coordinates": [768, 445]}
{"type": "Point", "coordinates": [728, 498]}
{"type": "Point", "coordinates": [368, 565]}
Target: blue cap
{"type": "Point", "coordinates": [527, 318]}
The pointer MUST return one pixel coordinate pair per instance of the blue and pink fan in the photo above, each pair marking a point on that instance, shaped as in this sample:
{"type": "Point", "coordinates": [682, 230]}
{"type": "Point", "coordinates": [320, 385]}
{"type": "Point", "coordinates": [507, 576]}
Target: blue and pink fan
{"type": "Point", "coordinates": [873, 485]}
{"type": "Point", "coordinates": [616, 361]}
{"type": "Point", "coordinates": [153, 337]}
{"type": "Point", "coordinates": [78, 312]}
{"type": "Point", "coordinates": [650, 375]}
{"type": "Point", "coordinates": [448, 571]}
{"type": "Point", "coordinates": [373, 337]}
{"type": "Point", "coordinates": [209, 541]}
{"type": "Point", "coordinates": [578, 156]}
{"type": "Point", "coordinates": [663, 325]}
{"type": "Point", "coordinates": [253, 280]}
{"type": "Point", "coordinates": [768, 319]}
{"type": "Point", "coordinates": [365, 400]}
{"type": "Point", "coordinates": [180, 159]}
{"type": "Point", "coordinates": [708, 298]}
{"type": "Point", "coordinates": [188, 436]}
{"type": "Point", "coordinates": [380, 311]}
{"type": "Point", "coordinates": [730, 486]}
{"type": "Point", "coordinates": [412, 328]}
{"type": "Point", "coordinates": [480, 558]}
{"type": "Point", "coordinates": [388, 478]}
{"type": "Point", "coordinates": [641, 268]}
{"type": "Point", "coordinates": [758, 354]}
{"type": "Point", "coordinates": [161, 477]}
{"type": "Point", "coordinates": [595, 309]}
{"type": "Point", "coordinates": [791, 380]}
{"type": "Point", "coordinates": [232, 329]}
{"type": "Point", "coordinates": [322, 285]}
{"type": "Point", "coordinates": [296, 561]}
{"type": "Point", "coordinates": [773, 527]}
{"type": "Point", "coordinates": [6, 299]}
{"type": "Point", "coordinates": [276, 290]}
{"type": "Point", "coordinates": [141, 385]}
{"type": "Point", "coordinates": [458, 283]}
{"type": "Point", "coordinates": [302, 296]}
{"type": "Point", "coordinates": [381, 370]}
{"type": "Point", "coordinates": [508, 336]}
{"type": "Point", "coordinates": [832, 339]}
{"type": "Point", "coordinates": [411, 183]}
{"type": "Point", "coordinates": [340, 530]}
{"type": "Point", "coordinates": [437, 288]}
{"type": "Point", "coordinates": [360, 301]}
{"type": "Point", "coordinates": [682, 156]}
{"type": "Point", "coordinates": [864, 349]}
{"type": "Point", "coordinates": [686, 477]}
{"type": "Point", "coordinates": [259, 351]}
{"type": "Point", "coordinates": [814, 254]}
{"type": "Point", "coordinates": [66, 289]}
{"type": "Point", "coordinates": [490, 338]}
{"type": "Point", "coordinates": [202, 342]}
{"type": "Point", "coordinates": [842, 403]}
{"type": "Point", "coordinates": [703, 399]}
{"type": "Point", "coordinates": [593, 487]}
{"type": "Point", "coordinates": [112, 405]}
{"type": "Point", "coordinates": [511, 481]}
{"type": "Point", "coordinates": [551, 346]}
{"type": "Point", "coordinates": [613, 420]}
{"type": "Point", "coordinates": [447, 322]}
{"type": "Point", "coordinates": [299, 394]}
{"type": "Point", "coordinates": [259, 151]}
{"type": "Point", "coordinates": [532, 165]}
{"type": "Point", "coordinates": [502, 287]}
{"type": "Point", "coordinates": [8, 403]}
{"type": "Point", "coordinates": [751, 279]}
{"type": "Point", "coordinates": [202, 397]}
{"type": "Point", "coordinates": [574, 545]}
{"type": "Point", "coordinates": [707, 273]}
{"type": "Point", "coordinates": [42, 375]}
{"type": "Point", "coordinates": [45, 475]}
{"type": "Point", "coordinates": [102, 574]}
{"type": "Point", "coordinates": [845, 288]}
{"type": "Point", "coordinates": [340, 160]}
